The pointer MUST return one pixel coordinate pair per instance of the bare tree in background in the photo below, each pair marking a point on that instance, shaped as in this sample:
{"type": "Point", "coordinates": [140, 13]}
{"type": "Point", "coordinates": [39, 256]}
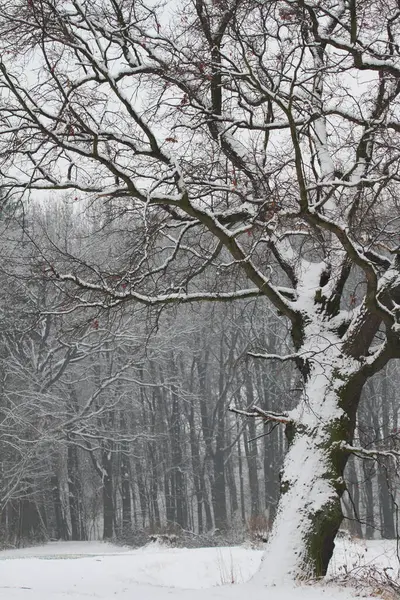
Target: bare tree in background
{"type": "Point", "coordinates": [251, 144]}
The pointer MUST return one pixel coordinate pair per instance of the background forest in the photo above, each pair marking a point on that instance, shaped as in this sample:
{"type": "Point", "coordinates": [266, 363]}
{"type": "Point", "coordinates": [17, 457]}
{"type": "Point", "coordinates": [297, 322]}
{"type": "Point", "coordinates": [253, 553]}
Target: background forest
{"type": "Point", "coordinates": [116, 423]}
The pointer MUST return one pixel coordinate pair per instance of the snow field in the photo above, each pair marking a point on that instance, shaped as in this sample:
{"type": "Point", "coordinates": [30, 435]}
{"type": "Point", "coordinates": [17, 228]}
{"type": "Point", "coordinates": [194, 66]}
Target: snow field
{"type": "Point", "coordinates": [84, 570]}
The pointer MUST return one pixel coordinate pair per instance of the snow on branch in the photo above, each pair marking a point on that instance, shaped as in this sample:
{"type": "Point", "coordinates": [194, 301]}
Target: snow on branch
{"type": "Point", "coordinates": [370, 454]}
{"type": "Point", "coordinates": [279, 357]}
{"type": "Point", "coordinates": [256, 411]}
{"type": "Point", "coordinates": [161, 299]}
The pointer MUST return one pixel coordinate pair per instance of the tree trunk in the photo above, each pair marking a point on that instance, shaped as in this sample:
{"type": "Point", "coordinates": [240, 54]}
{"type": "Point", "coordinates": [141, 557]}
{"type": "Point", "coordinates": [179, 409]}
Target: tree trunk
{"type": "Point", "coordinates": [230, 475]}
{"type": "Point", "coordinates": [267, 383]}
{"type": "Point", "coordinates": [366, 435]}
{"type": "Point", "coordinates": [108, 504]}
{"type": "Point", "coordinates": [369, 472]}
{"type": "Point", "coordinates": [388, 530]}
{"type": "Point", "coordinates": [250, 448]}
{"type": "Point", "coordinates": [30, 522]}
{"type": "Point", "coordinates": [241, 479]}
{"type": "Point", "coordinates": [177, 474]}
{"type": "Point", "coordinates": [385, 494]}
{"type": "Point", "coordinates": [309, 512]}
{"type": "Point", "coordinates": [218, 484]}
{"type": "Point", "coordinates": [78, 531]}
{"type": "Point", "coordinates": [354, 492]}
{"type": "Point", "coordinates": [61, 527]}
{"type": "Point", "coordinates": [126, 493]}
{"type": "Point", "coordinates": [197, 468]}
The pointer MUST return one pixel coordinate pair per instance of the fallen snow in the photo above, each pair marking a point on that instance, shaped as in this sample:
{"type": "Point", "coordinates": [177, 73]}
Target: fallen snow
{"type": "Point", "coordinates": [82, 570]}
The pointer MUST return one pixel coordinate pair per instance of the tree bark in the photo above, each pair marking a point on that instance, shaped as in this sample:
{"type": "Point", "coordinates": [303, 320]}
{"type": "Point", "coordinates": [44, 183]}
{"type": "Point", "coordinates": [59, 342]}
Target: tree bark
{"type": "Point", "coordinates": [310, 513]}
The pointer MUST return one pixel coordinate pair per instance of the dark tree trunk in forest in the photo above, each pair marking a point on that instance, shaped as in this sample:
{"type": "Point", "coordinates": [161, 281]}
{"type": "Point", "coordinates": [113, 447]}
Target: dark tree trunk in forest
{"type": "Point", "coordinates": [250, 447]}
{"type": "Point", "coordinates": [271, 471]}
{"type": "Point", "coordinates": [169, 503]}
{"type": "Point", "coordinates": [230, 476]}
{"type": "Point", "coordinates": [273, 450]}
{"type": "Point", "coordinates": [154, 487]}
{"type": "Point", "coordinates": [208, 436]}
{"type": "Point", "coordinates": [75, 492]}
{"type": "Point", "coordinates": [178, 483]}
{"type": "Point", "coordinates": [61, 528]}
{"type": "Point", "coordinates": [388, 529]}
{"type": "Point", "coordinates": [251, 457]}
{"type": "Point", "coordinates": [29, 522]}
{"type": "Point", "coordinates": [369, 472]}
{"type": "Point", "coordinates": [354, 493]}
{"type": "Point", "coordinates": [198, 473]}
{"type": "Point", "coordinates": [385, 495]}
{"type": "Point", "coordinates": [108, 495]}
{"type": "Point", "coordinates": [219, 481]}
{"type": "Point", "coordinates": [241, 478]}
{"type": "Point", "coordinates": [381, 432]}
{"type": "Point", "coordinates": [218, 490]}
{"type": "Point", "coordinates": [126, 493]}
{"type": "Point", "coordinates": [152, 451]}
{"type": "Point", "coordinates": [78, 529]}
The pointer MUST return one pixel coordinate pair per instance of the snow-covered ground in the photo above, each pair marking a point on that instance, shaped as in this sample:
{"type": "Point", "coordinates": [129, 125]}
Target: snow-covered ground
{"type": "Point", "coordinates": [83, 570]}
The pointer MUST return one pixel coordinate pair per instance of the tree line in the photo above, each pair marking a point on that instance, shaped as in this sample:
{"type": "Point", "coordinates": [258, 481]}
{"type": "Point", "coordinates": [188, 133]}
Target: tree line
{"type": "Point", "coordinates": [118, 426]}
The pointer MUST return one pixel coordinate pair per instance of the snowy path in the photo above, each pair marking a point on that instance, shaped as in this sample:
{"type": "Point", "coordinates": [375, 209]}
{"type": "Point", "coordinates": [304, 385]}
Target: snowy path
{"type": "Point", "coordinates": [84, 570]}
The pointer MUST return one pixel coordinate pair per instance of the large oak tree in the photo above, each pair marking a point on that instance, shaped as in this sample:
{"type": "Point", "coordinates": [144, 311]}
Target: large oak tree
{"type": "Point", "coordinates": [256, 147]}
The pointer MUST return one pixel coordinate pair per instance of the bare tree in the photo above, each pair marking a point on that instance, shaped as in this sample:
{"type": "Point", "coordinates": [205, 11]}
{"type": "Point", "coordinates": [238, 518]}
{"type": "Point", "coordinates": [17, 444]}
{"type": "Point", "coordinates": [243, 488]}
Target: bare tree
{"type": "Point", "coordinates": [235, 138]}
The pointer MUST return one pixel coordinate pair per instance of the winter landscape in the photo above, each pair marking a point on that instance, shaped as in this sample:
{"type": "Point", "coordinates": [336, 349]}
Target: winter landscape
{"type": "Point", "coordinates": [79, 570]}
{"type": "Point", "coordinates": [199, 298]}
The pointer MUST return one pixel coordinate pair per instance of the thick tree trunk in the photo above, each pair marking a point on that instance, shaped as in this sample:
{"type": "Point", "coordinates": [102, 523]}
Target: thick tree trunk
{"type": "Point", "coordinates": [309, 512]}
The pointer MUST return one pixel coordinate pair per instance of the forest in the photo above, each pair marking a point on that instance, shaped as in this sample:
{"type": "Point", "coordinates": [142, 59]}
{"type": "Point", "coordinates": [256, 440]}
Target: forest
{"type": "Point", "coordinates": [117, 426]}
{"type": "Point", "coordinates": [200, 298]}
